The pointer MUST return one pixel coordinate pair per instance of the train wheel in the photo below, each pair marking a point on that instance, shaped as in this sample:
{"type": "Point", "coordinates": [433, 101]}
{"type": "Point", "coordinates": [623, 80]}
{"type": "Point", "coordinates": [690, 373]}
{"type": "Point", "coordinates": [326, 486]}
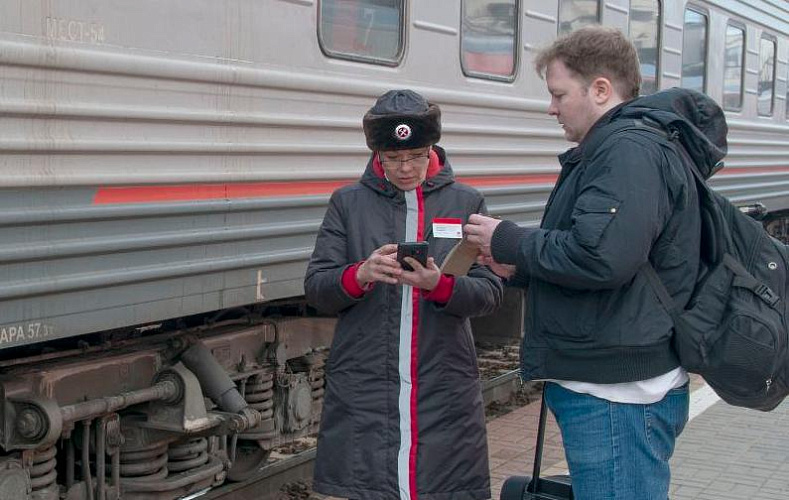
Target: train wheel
{"type": "Point", "coordinates": [250, 458]}
{"type": "Point", "coordinates": [514, 487]}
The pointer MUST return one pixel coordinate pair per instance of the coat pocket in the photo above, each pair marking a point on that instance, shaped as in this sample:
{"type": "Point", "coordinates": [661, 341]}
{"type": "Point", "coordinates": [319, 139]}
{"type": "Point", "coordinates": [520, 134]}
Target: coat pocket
{"type": "Point", "coordinates": [554, 322]}
{"type": "Point", "coordinates": [591, 216]}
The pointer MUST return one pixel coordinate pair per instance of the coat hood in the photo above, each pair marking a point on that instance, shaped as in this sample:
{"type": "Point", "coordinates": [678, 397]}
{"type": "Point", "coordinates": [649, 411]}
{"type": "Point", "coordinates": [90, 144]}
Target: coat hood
{"type": "Point", "coordinates": [692, 117]}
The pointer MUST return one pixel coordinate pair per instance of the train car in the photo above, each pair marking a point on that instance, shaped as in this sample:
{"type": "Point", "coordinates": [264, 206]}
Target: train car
{"type": "Point", "coordinates": [165, 165]}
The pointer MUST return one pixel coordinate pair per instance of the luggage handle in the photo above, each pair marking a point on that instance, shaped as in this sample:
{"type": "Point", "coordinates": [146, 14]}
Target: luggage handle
{"type": "Point", "coordinates": [534, 485]}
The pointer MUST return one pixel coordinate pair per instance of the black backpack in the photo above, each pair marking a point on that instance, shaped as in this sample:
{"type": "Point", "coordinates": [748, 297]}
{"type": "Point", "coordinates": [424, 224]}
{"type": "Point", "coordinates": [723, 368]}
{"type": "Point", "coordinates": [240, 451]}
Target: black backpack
{"type": "Point", "coordinates": [733, 332]}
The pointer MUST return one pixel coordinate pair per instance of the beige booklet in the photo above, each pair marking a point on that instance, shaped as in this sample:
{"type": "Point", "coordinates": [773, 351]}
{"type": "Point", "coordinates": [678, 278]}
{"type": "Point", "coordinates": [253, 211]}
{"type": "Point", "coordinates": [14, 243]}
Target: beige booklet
{"type": "Point", "coordinates": [459, 260]}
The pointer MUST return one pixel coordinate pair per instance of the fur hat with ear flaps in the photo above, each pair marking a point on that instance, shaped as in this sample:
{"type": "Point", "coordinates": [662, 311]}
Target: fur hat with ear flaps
{"type": "Point", "coordinates": [402, 119]}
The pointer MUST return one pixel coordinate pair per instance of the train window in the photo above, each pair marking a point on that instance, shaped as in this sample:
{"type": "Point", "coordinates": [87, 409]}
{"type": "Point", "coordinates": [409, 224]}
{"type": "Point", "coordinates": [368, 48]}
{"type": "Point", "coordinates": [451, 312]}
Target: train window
{"type": "Point", "coordinates": [576, 13]}
{"type": "Point", "coordinates": [645, 34]}
{"type": "Point", "coordinates": [694, 50]}
{"type": "Point", "coordinates": [766, 76]}
{"type": "Point", "coordinates": [733, 63]}
{"type": "Point", "coordinates": [362, 30]}
{"type": "Point", "coordinates": [488, 36]}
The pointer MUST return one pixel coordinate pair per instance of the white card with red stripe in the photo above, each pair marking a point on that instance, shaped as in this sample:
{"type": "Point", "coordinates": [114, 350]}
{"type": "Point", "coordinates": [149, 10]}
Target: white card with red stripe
{"type": "Point", "coordinates": [448, 228]}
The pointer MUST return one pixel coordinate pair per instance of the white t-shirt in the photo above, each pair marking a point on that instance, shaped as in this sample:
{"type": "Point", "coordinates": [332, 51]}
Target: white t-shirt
{"type": "Point", "coordinates": [641, 392]}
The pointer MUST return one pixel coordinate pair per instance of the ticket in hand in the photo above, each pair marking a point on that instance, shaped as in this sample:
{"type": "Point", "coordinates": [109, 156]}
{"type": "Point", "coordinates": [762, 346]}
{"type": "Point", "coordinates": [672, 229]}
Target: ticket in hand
{"type": "Point", "coordinates": [460, 259]}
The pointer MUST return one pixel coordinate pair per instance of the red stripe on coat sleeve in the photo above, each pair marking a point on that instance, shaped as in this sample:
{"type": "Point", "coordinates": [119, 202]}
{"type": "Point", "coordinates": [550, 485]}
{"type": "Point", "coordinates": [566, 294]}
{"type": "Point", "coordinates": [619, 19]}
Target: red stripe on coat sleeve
{"type": "Point", "coordinates": [349, 283]}
{"type": "Point", "coordinates": [443, 290]}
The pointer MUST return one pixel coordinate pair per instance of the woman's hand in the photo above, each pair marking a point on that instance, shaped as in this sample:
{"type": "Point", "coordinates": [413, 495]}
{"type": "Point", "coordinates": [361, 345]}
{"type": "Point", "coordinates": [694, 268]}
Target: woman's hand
{"type": "Point", "coordinates": [424, 277]}
{"type": "Point", "coordinates": [381, 266]}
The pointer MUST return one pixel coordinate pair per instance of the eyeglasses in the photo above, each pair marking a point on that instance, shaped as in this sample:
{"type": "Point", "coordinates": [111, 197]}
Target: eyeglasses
{"type": "Point", "coordinates": [411, 160]}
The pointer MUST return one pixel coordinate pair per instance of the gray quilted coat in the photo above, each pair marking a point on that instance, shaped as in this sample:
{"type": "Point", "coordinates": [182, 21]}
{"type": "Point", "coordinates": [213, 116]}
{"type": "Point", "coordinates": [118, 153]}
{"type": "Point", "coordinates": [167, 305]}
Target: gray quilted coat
{"type": "Point", "coordinates": [403, 416]}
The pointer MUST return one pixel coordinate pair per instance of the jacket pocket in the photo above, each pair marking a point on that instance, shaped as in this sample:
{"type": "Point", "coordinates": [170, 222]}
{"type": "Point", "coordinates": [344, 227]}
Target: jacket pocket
{"type": "Point", "coordinates": [591, 216]}
{"type": "Point", "coordinates": [554, 321]}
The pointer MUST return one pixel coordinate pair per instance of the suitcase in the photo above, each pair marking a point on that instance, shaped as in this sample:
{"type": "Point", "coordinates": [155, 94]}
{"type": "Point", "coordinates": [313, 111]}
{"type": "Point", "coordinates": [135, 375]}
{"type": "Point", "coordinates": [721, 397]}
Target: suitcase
{"type": "Point", "coordinates": [536, 487]}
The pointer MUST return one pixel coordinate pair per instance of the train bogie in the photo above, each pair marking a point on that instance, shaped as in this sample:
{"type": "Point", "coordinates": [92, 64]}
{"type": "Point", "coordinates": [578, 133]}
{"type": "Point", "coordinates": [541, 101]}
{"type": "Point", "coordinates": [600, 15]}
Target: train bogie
{"type": "Point", "coordinates": [171, 413]}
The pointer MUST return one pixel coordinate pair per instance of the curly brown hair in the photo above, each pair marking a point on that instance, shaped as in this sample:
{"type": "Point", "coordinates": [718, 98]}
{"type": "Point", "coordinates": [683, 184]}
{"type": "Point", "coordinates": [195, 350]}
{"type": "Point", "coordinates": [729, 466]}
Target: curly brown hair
{"type": "Point", "coordinates": [596, 51]}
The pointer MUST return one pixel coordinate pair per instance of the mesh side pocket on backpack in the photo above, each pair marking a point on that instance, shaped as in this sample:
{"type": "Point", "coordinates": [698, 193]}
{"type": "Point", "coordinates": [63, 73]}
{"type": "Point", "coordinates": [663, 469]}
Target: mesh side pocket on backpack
{"type": "Point", "coordinates": [743, 356]}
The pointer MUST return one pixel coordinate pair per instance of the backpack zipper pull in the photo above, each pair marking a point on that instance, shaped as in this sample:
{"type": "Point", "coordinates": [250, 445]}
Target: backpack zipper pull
{"type": "Point", "coordinates": [768, 383]}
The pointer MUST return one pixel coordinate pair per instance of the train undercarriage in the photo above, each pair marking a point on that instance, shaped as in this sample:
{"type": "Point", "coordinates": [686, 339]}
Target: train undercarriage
{"type": "Point", "coordinates": [160, 416]}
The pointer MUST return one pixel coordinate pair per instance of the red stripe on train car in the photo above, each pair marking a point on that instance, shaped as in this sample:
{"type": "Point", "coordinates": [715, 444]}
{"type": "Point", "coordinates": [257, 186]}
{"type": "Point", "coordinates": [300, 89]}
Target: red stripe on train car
{"type": "Point", "coordinates": [752, 170]}
{"type": "Point", "coordinates": [196, 192]}
{"type": "Point", "coordinates": [506, 180]}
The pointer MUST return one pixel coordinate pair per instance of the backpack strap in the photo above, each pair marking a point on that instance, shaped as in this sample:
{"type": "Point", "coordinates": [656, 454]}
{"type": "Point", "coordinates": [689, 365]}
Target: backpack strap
{"type": "Point", "coordinates": [656, 283]}
{"type": "Point", "coordinates": [744, 279]}
{"type": "Point", "coordinates": [661, 291]}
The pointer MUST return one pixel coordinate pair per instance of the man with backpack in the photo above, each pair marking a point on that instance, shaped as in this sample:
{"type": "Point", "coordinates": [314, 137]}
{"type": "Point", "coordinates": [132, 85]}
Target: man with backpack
{"type": "Point", "coordinates": [626, 202]}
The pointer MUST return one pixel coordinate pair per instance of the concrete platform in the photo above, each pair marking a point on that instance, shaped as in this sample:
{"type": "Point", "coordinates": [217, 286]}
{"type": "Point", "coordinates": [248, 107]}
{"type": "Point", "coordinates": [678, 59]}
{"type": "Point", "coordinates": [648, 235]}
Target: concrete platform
{"type": "Point", "coordinates": [725, 453]}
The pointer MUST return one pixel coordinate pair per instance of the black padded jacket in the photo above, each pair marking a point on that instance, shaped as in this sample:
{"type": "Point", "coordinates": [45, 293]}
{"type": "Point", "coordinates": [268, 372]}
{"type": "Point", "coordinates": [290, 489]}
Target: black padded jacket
{"type": "Point", "coordinates": [623, 198]}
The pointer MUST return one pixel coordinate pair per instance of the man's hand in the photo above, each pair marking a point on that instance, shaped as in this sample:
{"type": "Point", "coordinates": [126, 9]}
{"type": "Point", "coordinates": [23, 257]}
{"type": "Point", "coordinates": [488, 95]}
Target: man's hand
{"type": "Point", "coordinates": [424, 277]}
{"type": "Point", "coordinates": [479, 232]}
{"type": "Point", "coordinates": [502, 270]}
{"type": "Point", "coordinates": [381, 266]}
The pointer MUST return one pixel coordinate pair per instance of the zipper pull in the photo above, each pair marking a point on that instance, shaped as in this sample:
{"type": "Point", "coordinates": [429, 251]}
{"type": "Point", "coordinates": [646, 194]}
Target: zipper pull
{"type": "Point", "coordinates": [768, 383]}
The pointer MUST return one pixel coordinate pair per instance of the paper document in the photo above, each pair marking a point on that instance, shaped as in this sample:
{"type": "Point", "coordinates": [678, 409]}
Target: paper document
{"type": "Point", "coordinates": [460, 259]}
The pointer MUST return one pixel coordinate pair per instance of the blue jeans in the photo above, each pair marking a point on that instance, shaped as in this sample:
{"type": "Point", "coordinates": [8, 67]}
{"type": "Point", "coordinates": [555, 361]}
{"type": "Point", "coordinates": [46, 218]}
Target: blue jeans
{"type": "Point", "coordinates": [618, 451]}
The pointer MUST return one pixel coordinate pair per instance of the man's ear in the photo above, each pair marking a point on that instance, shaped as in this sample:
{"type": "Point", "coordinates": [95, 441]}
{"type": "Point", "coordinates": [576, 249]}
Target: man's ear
{"type": "Point", "coordinates": [602, 90]}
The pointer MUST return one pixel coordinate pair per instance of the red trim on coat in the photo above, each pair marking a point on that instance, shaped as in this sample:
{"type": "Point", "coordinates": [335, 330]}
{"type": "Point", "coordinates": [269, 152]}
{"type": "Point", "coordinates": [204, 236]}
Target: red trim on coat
{"type": "Point", "coordinates": [435, 165]}
{"type": "Point", "coordinates": [415, 296]}
{"type": "Point", "coordinates": [443, 290]}
{"type": "Point", "coordinates": [378, 169]}
{"type": "Point", "coordinates": [349, 282]}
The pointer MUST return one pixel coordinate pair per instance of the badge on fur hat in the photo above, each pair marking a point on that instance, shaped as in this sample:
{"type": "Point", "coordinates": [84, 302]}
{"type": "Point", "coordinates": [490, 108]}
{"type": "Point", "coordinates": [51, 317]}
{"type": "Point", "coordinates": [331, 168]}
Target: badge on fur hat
{"type": "Point", "coordinates": [401, 119]}
{"type": "Point", "coordinates": [402, 132]}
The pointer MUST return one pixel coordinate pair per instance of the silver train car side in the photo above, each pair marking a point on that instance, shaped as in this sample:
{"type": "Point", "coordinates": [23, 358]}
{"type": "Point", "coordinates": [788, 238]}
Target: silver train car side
{"type": "Point", "coordinates": [164, 168]}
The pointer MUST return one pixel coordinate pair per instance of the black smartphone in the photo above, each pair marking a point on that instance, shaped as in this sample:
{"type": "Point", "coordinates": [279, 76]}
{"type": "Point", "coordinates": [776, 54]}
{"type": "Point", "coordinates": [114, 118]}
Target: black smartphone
{"type": "Point", "coordinates": [414, 249]}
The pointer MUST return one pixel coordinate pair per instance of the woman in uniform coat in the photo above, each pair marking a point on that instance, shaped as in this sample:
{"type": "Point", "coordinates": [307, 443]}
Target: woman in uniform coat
{"type": "Point", "coordinates": [403, 416]}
